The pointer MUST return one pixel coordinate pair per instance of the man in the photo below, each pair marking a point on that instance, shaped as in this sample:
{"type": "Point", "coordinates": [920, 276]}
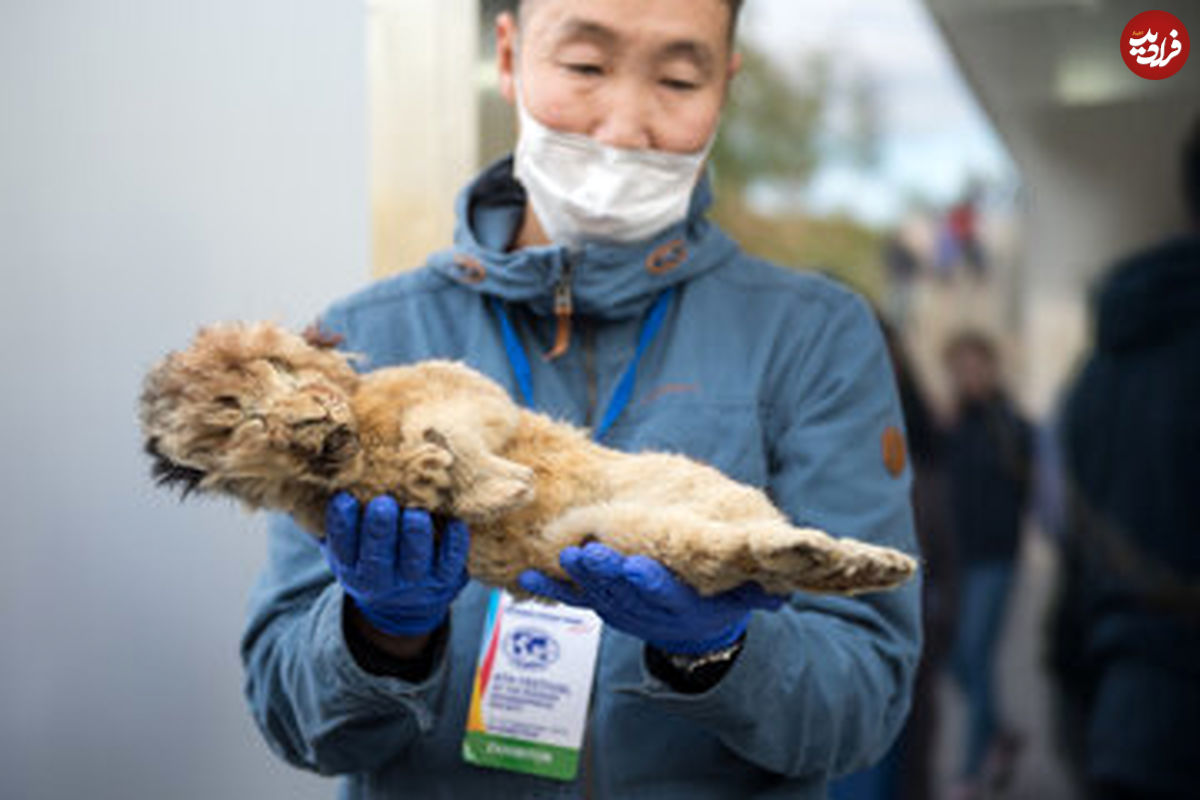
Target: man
{"type": "Point", "coordinates": [989, 452]}
{"type": "Point", "coordinates": [1125, 638]}
{"type": "Point", "coordinates": [586, 278]}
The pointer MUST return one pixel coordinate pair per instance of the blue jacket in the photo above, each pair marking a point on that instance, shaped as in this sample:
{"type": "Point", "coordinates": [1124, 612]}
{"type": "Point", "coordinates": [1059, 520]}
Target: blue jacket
{"type": "Point", "coordinates": [780, 379]}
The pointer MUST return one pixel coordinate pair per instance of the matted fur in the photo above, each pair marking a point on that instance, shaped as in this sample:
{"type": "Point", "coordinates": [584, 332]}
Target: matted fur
{"type": "Point", "coordinates": [253, 411]}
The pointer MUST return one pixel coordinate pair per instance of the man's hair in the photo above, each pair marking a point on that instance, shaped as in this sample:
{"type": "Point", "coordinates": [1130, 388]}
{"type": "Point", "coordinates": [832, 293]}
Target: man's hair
{"type": "Point", "coordinates": [735, 11]}
{"type": "Point", "coordinates": [1191, 172]}
{"type": "Point", "coordinates": [973, 341]}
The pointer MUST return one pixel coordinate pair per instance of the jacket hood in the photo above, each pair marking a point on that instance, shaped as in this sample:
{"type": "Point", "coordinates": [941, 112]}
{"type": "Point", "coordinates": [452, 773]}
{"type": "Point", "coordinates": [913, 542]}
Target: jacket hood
{"type": "Point", "coordinates": [1150, 296]}
{"type": "Point", "coordinates": [606, 280]}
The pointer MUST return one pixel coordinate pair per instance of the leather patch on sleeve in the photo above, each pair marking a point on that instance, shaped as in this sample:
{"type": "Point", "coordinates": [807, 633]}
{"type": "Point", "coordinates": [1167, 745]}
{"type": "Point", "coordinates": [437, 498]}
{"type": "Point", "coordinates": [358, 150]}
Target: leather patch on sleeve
{"type": "Point", "coordinates": [895, 451]}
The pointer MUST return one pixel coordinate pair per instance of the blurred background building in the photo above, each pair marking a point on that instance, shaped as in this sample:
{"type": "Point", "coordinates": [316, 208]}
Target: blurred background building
{"type": "Point", "coordinates": [165, 163]}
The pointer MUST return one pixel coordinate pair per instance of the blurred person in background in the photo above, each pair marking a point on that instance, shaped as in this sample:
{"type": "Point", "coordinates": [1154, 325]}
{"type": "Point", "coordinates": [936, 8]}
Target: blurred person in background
{"type": "Point", "coordinates": [959, 245]}
{"type": "Point", "coordinates": [903, 268]}
{"type": "Point", "coordinates": [940, 570]}
{"type": "Point", "coordinates": [360, 654]}
{"type": "Point", "coordinates": [1125, 632]}
{"type": "Point", "coordinates": [962, 222]}
{"type": "Point", "coordinates": [988, 461]}
{"type": "Point", "coordinates": [947, 254]}
{"type": "Point", "coordinates": [907, 771]}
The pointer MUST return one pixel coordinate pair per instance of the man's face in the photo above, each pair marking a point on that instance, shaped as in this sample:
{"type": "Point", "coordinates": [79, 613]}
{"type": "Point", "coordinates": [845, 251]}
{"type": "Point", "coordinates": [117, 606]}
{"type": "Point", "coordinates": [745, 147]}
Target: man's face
{"type": "Point", "coordinates": [973, 374]}
{"type": "Point", "coordinates": [633, 74]}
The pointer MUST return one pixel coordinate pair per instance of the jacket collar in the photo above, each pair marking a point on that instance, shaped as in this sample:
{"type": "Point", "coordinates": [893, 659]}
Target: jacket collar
{"type": "Point", "coordinates": [605, 280]}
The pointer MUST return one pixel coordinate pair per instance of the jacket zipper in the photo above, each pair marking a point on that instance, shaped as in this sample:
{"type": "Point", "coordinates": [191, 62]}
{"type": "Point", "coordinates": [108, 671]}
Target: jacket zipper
{"type": "Point", "coordinates": [562, 312]}
{"type": "Point", "coordinates": [589, 369]}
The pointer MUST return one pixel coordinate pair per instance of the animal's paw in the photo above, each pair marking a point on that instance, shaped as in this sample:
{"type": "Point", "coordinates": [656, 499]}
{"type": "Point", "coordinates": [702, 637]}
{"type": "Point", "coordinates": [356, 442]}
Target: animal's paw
{"type": "Point", "coordinates": [799, 554]}
{"type": "Point", "coordinates": [502, 487]}
{"type": "Point", "coordinates": [427, 476]}
{"type": "Point", "coordinates": [867, 568]}
{"type": "Point", "coordinates": [811, 561]}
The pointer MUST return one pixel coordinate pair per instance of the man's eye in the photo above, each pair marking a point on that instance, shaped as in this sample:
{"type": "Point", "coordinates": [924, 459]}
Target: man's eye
{"type": "Point", "coordinates": [591, 70]}
{"type": "Point", "coordinates": [678, 85]}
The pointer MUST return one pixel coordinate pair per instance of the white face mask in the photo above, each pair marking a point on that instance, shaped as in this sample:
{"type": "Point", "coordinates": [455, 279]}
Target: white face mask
{"type": "Point", "coordinates": [585, 191]}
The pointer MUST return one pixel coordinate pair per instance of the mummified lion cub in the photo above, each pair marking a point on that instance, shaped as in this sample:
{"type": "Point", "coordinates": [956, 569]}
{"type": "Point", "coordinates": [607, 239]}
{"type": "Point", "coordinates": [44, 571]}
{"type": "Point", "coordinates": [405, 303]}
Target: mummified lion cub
{"type": "Point", "coordinates": [253, 411]}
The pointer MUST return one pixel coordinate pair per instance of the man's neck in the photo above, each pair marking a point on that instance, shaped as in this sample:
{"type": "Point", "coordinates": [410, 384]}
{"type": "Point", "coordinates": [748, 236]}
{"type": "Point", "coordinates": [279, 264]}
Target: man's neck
{"type": "Point", "coordinates": [530, 233]}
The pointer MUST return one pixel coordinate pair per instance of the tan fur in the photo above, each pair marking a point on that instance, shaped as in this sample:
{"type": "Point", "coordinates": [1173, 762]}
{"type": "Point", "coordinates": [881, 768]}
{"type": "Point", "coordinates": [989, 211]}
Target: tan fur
{"type": "Point", "coordinates": [253, 411]}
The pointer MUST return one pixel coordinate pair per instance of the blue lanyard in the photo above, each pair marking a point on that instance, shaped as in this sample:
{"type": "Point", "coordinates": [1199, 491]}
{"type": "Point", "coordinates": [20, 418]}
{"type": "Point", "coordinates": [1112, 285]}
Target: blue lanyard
{"type": "Point", "coordinates": [624, 391]}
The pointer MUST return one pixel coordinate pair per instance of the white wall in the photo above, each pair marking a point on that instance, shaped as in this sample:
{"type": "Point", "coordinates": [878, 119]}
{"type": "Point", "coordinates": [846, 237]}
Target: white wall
{"type": "Point", "coordinates": [1103, 181]}
{"type": "Point", "coordinates": [417, 170]}
{"type": "Point", "coordinates": [1098, 149]}
{"type": "Point", "coordinates": [162, 163]}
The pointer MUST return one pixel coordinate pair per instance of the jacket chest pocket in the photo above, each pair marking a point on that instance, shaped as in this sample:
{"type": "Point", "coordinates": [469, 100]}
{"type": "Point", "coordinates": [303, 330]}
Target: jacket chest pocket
{"type": "Point", "coordinates": [727, 435]}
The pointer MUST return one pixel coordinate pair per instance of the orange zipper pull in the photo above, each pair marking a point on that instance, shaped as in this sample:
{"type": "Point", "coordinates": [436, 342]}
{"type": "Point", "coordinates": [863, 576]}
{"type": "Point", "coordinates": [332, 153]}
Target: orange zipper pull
{"type": "Point", "coordinates": [562, 310]}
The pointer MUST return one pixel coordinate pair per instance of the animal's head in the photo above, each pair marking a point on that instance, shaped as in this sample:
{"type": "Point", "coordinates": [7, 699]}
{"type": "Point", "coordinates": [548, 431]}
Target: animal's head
{"type": "Point", "coordinates": [251, 410]}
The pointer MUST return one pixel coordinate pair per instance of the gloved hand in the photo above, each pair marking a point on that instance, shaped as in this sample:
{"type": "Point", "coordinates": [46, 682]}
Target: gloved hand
{"type": "Point", "coordinates": [640, 596]}
{"type": "Point", "coordinates": [388, 565]}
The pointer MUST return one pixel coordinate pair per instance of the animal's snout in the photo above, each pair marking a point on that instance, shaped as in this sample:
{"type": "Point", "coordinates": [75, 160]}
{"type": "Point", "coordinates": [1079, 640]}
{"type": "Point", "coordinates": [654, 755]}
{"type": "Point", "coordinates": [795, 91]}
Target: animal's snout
{"type": "Point", "coordinates": [339, 446]}
{"type": "Point", "coordinates": [340, 442]}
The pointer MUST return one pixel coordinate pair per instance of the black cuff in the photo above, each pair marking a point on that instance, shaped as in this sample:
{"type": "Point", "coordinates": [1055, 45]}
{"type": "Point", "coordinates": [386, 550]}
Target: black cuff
{"type": "Point", "coordinates": [376, 662]}
{"type": "Point", "coordinates": [688, 681]}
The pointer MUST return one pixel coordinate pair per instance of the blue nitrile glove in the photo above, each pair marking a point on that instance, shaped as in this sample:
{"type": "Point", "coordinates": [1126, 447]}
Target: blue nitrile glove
{"type": "Point", "coordinates": [640, 596]}
{"type": "Point", "coordinates": [389, 566]}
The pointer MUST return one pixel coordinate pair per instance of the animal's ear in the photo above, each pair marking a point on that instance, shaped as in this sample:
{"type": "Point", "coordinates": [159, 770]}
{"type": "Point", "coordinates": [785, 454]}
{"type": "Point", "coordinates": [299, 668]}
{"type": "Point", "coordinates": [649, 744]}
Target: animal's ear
{"type": "Point", "coordinates": [171, 474]}
{"type": "Point", "coordinates": [321, 338]}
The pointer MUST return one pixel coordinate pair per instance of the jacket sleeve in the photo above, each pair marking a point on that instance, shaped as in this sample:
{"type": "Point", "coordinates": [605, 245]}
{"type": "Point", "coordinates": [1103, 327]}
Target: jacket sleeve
{"type": "Point", "coordinates": [314, 704]}
{"type": "Point", "coordinates": [822, 687]}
